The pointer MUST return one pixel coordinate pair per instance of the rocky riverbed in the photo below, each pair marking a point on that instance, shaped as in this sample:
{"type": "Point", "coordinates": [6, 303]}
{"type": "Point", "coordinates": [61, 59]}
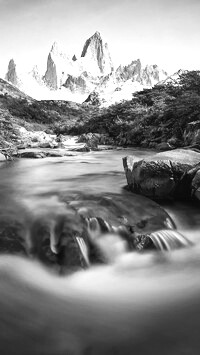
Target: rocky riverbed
{"type": "Point", "coordinates": [39, 144]}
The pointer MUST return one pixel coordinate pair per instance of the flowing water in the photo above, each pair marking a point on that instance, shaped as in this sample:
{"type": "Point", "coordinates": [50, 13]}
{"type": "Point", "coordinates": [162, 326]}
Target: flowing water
{"type": "Point", "coordinates": [36, 181]}
{"type": "Point", "coordinates": [143, 302]}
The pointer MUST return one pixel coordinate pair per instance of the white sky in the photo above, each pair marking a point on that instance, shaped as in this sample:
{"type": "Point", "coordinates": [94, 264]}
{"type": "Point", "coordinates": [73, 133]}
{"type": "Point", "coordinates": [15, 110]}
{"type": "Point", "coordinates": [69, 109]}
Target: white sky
{"type": "Point", "coordinates": [163, 32]}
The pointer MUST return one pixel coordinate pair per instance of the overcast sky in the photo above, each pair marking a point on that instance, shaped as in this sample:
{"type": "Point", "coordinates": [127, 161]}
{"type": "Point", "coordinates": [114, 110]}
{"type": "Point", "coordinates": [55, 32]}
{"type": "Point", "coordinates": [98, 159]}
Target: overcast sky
{"type": "Point", "coordinates": [163, 32]}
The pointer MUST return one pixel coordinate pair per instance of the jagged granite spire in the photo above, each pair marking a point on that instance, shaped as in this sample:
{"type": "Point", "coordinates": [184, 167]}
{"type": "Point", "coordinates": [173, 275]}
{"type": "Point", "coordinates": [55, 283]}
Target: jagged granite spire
{"type": "Point", "coordinates": [131, 71]}
{"type": "Point", "coordinates": [96, 50]}
{"type": "Point", "coordinates": [51, 73]}
{"type": "Point", "coordinates": [57, 67]}
{"type": "Point", "coordinates": [11, 74]}
{"type": "Point", "coordinates": [152, 74]}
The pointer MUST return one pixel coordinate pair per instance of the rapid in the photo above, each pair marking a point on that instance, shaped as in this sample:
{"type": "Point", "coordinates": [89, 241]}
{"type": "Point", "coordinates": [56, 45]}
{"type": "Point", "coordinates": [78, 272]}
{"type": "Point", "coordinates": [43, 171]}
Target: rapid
{"type": "Point", "coordinates": [139, 303]}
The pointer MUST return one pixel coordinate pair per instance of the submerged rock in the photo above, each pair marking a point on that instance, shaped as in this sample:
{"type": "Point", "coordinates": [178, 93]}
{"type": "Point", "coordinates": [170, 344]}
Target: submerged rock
{"type": "Point", "coordinates": [168, 175]}
{"type": "Point", "coordinates": [86, 229]}
{"type": "Point", "coordinates": [31, 154]}
{"type": "Point", "coordinates": [162, 240]}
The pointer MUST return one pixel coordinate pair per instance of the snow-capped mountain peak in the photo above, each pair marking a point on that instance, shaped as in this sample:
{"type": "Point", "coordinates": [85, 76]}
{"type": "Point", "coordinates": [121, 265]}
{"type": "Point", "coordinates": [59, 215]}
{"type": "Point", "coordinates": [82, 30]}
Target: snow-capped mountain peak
{"type": "Point", "coordinates": [73, 78]}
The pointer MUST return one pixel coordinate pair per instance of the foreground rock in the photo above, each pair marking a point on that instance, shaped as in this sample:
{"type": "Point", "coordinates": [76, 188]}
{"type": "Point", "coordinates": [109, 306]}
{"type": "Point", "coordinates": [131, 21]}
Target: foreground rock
{"type": "Point", "coordinates": [98, 223]}
{"type": "Point", "coordinates": [168, 175]}
{"type": "Point", "coordinates": [39, 154]}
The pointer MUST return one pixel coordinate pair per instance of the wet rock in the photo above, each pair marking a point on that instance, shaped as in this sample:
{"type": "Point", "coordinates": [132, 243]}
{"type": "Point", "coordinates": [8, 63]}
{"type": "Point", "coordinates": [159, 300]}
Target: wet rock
{"type": "Point", "coordinates": [95, 139]}
{"type": "Point", "coordinates": [22, 146]}
{"type": "Point", "coordinates": [140, 214]}
{"type": "Point", "coordinates": [152, 145]}
{"type": "Point", "coordinates": [164, 239]}
{"type": "Point", "coordinates": [48, 145]}
{"type": "Point", "coordinates": [169, 175]}
{"type": "Point", "coordinates": [153, 179]}
{"type": "Point", "coordinates": [32, 155]}
{"type": "Point", "coordinates": [11, 246]}
{"type": "Point", "coordinates": [90, 139]}
{"type": "Point", "coordinates": [92, 228]}
{"type": "Point", "coordinates": [164, 146]}
{"type": "Point", "coordinates": [2, 157]}
{"type": "Point", "coordinates": [10, 240]}
{"type": "Point", "coordinates": [81, 149]}
{"type": "Point", "coordinates": [54, 154]}
{"type": "Point", "coordinates": [144, 242]}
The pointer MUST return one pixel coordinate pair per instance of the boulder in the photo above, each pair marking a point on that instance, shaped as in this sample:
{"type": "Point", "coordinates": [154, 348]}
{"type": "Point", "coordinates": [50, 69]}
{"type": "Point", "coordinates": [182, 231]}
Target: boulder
{"type": "Point", "coordinates": [152, 178]}
{"type": "Point", "coordinates": [31, 154]}
{"type": "Point", "coordinates": [22, 146]}
{"type": "Point", "coordinates": [81, 149]}
{"type": "Point", "coordinates": [79, 217]}
{"type": "Point", "coordinates": [54, 154]}
{"type": "Point", "coordinates": [91, 139]}
{"type": "Point", "coordinates": [170, 175]}
{"type": "Point", "coordinates": [95, 139]}
{"type": "Point", "coordinates": [164, 146]}
{"type": "Point", "coordinates": [2, 157]}
{"type": "Point", "coordinates": [45, 145]}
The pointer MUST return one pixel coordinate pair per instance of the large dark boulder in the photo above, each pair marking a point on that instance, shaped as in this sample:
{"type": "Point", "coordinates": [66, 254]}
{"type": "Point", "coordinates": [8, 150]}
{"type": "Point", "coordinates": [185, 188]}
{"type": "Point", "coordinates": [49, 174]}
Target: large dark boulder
{"type": "Point", "coordinates": [169, 175]}
{"type": "Point", "coordinates": [152, 178]}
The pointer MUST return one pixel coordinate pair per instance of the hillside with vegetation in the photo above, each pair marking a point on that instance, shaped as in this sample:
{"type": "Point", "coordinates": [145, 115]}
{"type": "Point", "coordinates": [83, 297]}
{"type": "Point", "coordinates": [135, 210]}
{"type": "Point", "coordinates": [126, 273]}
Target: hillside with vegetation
{"type": "Point", "coordinates": [153, 116]}
{"type": "Point", "coordinates": [169, 113]}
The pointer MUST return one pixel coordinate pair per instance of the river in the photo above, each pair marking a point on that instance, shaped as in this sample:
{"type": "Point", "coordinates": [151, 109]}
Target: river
{"type": "Point", "coordinates": [89, 173]}
{"type": "Point", "coordinates": [141, 303]}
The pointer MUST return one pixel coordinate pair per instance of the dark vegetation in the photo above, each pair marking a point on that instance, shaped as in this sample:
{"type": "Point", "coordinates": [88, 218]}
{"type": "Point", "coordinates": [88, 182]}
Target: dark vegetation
{"type": "Point", "coordinates": [156, 115]}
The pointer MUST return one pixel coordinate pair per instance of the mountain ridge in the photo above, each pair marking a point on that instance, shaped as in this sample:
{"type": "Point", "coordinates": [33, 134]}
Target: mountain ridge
{"type": "Point", "coordinates": [74, 78]}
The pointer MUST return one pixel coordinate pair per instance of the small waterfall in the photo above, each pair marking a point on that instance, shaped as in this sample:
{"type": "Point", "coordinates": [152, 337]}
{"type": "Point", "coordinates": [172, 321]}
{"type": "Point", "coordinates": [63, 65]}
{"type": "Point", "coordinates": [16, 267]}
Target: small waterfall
{"type": "Point", "coordinates": [169, 240]}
